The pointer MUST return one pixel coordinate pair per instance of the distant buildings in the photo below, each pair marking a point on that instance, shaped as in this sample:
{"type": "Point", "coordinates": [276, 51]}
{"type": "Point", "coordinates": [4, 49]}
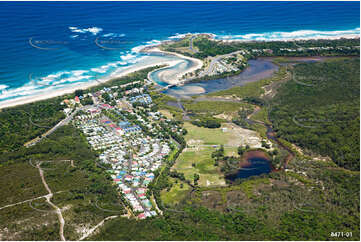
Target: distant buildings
{"type": "Point", "coordinates": [132, 155]}
{"type": "Point", "coordinates": [144, 99]}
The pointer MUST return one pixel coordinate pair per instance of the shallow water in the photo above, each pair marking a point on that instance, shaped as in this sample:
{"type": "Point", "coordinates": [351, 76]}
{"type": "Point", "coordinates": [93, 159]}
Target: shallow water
{"type": "Point", "coordinates": [258, 69]}
{"type": "Point", "coordinates": [160, 76]}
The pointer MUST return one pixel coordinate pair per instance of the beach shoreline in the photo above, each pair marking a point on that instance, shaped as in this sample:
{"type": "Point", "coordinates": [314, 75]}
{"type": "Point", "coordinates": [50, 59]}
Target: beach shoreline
{"type": "Point", "coordinates": [197, 64]}
{"type": "Point", "coordinates": [47, 94]}
{"type": "Point", "coordinates": [266, 39]}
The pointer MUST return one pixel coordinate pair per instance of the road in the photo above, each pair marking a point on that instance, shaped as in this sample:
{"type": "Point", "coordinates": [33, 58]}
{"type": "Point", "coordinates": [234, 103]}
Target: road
{"type": "Point", "coordinates": [53, 129]}
{"type": "Point", "coordinates": [215, 60]}
{"type": "Point", "coordinates": [133, 190]}
{"type": "Point", "coordinates": [191, 48]}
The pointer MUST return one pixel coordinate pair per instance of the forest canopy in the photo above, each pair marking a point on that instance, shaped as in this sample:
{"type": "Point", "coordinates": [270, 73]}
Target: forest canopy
{"type": "Point", "coordinates": [319, 110]}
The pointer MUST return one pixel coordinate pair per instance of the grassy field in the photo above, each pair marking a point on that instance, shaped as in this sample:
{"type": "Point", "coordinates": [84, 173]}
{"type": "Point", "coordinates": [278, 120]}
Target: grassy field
{"type": "Point", "coordinates": [210, 136]}
{"type": "Point", "coordinates": [197, 158]}
{"type": "Point", "coordinates": [203, 164]}
{"type": "Point", "coordinates": [176, 193]}
{"type": "Point", "coordinates": [213, 107]}
{"type": "Point", "coordinates": [252, 89]}
{"type": "Point", "coordinates": [166, 113]}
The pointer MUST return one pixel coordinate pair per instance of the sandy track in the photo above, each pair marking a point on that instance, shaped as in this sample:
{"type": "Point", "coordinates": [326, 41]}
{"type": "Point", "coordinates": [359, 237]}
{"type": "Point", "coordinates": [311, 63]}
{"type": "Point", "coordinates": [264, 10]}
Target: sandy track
{"type": "Point", "coordinates": [96, 227]}
{"type": "Point", "coordinates": [48, 199]}
{"type": "Point", "coordinates": [25, 201]}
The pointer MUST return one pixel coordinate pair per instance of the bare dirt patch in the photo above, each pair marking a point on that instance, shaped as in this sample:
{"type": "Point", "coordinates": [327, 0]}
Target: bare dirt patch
{"type": "Point", "coordinates": [224, 116]}
{"type": "Point", "coordinates": [243, 136]}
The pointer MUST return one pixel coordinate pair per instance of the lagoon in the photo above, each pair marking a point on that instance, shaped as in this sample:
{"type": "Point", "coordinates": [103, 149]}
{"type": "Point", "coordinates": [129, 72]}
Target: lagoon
{"type": "Point", "coordinates": [258, 69]}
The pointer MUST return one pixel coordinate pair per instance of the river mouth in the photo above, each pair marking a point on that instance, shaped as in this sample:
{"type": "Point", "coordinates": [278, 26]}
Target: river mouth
{"type": "Point", "coordinates": [258, 69]}
{"type": "Point", "coordinates": [254, 163]}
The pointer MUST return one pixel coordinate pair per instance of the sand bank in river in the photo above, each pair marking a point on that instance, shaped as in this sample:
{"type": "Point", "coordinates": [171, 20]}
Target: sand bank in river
{"type": "Point", "coordinates": [167, 75]}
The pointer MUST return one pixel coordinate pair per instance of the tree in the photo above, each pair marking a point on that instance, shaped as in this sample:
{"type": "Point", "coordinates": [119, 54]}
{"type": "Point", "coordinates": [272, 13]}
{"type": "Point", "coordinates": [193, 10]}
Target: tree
{"type": "Point", "coordinates": [79, 93]}
{"type": "Point", "coordinates": [196, 178]}
{"type": "Point", "coordinates": [240, 150]}
{"type": "Point", "coordinates": [106, 96]}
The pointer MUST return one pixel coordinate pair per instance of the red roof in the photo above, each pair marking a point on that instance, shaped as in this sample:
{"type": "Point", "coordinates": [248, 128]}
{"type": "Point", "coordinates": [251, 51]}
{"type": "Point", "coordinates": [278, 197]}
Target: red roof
{"type": "Point", "coordinates": [106, 105]}
{"type": "Point", "coordinates": [142, 215]}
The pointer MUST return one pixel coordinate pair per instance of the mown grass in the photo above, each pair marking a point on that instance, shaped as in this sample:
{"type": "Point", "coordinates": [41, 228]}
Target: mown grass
{"type": "Point", "coordinates": [208, 136]}
{"type": "Point", "coordinates": [199, 162]}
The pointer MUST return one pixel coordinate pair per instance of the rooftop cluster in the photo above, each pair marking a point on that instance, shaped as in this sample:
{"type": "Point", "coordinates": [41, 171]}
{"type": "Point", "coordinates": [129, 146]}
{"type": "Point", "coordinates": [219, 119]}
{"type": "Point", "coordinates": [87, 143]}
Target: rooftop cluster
{"type": "Point", "coordinates": [131, 142]}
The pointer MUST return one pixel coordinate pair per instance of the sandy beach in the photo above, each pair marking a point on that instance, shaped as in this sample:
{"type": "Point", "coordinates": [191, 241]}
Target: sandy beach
{"type": "Point", "coordinates": [48, 93]}
{"type": "Point", "coordinates": [169, 76]}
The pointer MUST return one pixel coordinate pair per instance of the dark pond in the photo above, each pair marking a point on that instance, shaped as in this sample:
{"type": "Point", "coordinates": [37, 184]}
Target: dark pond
{"type": "Point", "coordinates": [257, 166]}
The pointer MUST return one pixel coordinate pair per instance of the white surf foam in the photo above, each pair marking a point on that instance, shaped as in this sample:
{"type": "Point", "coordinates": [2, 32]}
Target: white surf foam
{"type": "Point", "coordinates": [92, 30]}
{"type": "Point", "coordinates": [113, 35]}
{"type": "Point", "coordinates": [293, 35]}
{"type": "Point", "coordinates": [3, 87]}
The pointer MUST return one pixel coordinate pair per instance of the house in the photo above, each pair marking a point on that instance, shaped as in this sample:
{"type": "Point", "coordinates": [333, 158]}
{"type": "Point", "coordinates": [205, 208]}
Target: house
{"type": "Point", "coordinates": [141, 216]}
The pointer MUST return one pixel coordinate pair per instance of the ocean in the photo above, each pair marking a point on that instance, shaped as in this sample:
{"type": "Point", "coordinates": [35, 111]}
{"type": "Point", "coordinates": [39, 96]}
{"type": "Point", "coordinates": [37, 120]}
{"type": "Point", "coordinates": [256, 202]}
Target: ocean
{"type": "Point", "coordinates": [50, 45]}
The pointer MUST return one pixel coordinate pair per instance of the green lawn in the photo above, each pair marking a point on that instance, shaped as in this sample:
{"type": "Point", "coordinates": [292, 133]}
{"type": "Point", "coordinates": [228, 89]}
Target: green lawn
{"type": "Point", "coordinates": [176, 193]}
{"type": "Point", "coordinates": [203, 165]}
{"type": "Point", "coordinates": [199, 152]}
{"type": "Point", "coordinates": [208, 136]}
